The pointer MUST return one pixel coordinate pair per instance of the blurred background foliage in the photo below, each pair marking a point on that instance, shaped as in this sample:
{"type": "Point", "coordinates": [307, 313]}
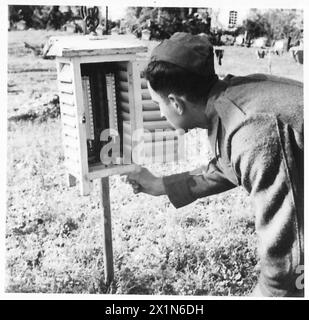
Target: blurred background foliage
{"type": "Point", "coordinates": [274, 24]}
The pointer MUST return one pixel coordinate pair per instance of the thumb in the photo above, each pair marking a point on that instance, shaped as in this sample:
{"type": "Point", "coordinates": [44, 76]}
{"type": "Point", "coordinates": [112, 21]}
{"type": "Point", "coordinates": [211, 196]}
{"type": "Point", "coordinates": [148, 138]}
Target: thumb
{"type": "Point", "coordinates": [135, 172]}
{"type": "Point", "coordinates": [132, 176]}
{"type": "Point", "coordinates": [136, 169]}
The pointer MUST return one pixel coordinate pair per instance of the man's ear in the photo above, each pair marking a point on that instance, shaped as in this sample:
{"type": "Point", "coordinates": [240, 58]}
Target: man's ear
{"type": "Point", "coordinates": [177, 103]}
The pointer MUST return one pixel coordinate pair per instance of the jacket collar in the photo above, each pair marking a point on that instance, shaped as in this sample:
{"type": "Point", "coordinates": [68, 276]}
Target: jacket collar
{"type": "Point", "coordinates": [216, 91]}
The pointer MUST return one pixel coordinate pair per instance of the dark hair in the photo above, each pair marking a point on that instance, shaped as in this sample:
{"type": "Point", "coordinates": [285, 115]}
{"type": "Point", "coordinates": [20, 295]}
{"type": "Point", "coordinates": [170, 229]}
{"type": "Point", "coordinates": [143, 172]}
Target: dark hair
{"type": "Point", "coordinates": [165, 78]}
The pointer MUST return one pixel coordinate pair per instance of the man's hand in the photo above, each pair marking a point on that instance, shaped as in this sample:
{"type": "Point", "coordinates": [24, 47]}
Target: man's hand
{"type": "Point", "coordinates": [142, 180]}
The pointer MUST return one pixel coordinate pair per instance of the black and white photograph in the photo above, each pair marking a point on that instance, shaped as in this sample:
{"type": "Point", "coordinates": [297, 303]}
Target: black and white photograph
{"type": "Point", "coordinates": [155, 149]}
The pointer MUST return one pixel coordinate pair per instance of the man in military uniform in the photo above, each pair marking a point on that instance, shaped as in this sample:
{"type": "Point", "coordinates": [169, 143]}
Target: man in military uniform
{"type": "Point", "coordinates": [255, 128]}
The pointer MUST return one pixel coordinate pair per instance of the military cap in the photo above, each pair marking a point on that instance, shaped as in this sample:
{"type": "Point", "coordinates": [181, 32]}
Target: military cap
{"type": "Point", "coordinates": [191, 52]}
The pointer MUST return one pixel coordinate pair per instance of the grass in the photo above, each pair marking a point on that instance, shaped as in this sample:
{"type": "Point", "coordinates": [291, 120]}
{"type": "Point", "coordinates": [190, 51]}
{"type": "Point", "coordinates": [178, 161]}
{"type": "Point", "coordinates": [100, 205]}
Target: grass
{"type": "Point", "coordinates": [54, 236]}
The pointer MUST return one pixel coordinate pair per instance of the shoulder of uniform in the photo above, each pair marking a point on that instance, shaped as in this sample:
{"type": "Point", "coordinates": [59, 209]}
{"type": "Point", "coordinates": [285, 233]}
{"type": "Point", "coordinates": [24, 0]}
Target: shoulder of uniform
{"type": "Point", "coordinates": [256, 78]}
{"type": "Point", "coordinates": [231, 114]}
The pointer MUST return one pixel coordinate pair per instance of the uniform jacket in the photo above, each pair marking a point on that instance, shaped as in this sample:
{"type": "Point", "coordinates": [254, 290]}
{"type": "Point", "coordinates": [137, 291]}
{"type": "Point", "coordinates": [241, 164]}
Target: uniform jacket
{"type": "Point", "coordinates": [256, 135]}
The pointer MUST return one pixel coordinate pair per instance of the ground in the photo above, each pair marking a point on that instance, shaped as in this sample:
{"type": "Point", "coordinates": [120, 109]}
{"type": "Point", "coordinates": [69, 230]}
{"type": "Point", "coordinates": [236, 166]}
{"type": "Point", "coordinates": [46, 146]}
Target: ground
{"type": "Point", "coordinates": [54, 236]}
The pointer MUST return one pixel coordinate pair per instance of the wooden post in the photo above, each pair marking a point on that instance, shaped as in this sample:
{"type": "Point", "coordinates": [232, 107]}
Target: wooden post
{"type": "Point", "coordinates": [107, 231]}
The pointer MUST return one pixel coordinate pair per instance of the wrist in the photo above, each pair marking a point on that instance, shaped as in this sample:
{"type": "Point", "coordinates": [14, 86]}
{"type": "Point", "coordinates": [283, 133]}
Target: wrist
{"type": "Point", "coordinates": [160, 188]}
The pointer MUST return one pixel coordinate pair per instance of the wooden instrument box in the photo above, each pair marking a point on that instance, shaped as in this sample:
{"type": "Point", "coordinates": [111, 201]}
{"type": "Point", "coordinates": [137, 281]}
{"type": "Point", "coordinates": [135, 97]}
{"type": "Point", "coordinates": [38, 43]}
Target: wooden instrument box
{"type": "Point", "coordinates": [109, 122]}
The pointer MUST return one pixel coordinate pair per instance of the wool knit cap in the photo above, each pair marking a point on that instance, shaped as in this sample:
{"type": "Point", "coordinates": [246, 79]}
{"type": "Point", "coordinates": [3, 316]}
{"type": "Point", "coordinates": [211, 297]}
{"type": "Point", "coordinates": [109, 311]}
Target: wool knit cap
{"type": "Point", "coordinates": [191, 52]}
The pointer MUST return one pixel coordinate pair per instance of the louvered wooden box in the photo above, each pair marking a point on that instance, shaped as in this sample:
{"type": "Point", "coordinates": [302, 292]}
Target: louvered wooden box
{"type": "Point", "coordinates": [101, 86]}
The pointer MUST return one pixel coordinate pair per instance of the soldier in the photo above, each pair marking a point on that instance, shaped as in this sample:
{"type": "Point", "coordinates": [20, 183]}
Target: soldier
{"type": "Point", "coordinates": [255, 128]}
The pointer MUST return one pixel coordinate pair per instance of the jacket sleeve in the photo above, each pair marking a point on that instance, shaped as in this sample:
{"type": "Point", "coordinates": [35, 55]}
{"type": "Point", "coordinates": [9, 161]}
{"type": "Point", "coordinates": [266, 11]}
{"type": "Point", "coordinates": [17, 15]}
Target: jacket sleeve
{"type": "Point", "coordinates": [186, 187]}
{"type": "Point", "coordinates": [260, 162]}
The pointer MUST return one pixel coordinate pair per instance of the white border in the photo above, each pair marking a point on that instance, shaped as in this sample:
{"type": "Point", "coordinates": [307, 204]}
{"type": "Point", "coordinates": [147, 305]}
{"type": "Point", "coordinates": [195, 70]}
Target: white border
{"type": "Point", "coordinates": [297, 4]}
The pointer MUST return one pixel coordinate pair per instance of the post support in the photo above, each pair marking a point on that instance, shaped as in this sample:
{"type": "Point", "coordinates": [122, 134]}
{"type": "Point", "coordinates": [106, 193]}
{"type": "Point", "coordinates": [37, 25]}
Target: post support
{"type": "Point", "coordinates": [107, 231]}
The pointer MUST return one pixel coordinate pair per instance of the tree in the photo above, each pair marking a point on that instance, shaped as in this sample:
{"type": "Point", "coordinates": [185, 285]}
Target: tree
{"type": "Point", "coordinates": [40, 17]}
{"type": "Point", "coordinates": [275, 24]}
{"type": "Point", "coordinates": [163, 22]}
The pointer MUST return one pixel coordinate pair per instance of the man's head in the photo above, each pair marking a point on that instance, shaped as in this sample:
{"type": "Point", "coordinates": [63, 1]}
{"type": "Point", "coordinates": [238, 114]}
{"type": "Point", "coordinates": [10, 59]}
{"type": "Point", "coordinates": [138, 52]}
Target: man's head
{"type": "Point", "coordinates": [180, 75]}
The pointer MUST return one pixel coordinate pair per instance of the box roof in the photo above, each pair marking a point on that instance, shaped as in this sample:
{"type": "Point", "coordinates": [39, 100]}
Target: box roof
{"type": "Point", "coordinates": [84, 45]}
